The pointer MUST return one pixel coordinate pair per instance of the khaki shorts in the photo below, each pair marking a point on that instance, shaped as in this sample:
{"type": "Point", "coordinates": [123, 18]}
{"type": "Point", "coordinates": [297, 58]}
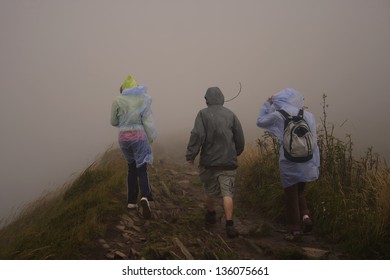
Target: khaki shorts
{"type": "Point", "coordinates": [218, 182]}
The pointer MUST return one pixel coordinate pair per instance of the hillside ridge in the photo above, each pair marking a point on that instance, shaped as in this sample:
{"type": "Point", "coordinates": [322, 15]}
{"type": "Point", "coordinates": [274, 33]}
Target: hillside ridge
{"type": "Point", "coordinates": [177, 229]}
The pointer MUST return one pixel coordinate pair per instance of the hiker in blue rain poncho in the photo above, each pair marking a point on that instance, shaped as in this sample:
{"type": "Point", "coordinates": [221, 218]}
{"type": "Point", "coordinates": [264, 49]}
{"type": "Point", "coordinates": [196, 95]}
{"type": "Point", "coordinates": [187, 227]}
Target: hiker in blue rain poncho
{"type": "Point", "coordinates": [218, 136]}
{"type": "Point", "coordinates": [131, 113]}
{"type": "Point", "coordinates": [294, 175]}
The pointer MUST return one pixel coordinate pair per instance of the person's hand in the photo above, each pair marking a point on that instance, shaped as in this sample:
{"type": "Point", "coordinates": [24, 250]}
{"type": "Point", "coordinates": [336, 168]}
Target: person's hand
{"type": "Point", "coordinates": [190, 162]}
{"type": "Point", "coordinates": [270, 99]}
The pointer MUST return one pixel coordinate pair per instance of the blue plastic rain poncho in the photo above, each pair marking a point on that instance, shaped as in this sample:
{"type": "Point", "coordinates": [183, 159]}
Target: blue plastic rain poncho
{"type": "Point", "coordinates": [131, 113]}
{"type": "Point", "coordinates": [291, 101]}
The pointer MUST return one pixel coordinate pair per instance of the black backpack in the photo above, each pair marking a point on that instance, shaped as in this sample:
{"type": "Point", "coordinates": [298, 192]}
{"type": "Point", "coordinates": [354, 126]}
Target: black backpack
{"type": "Point", "coordinates": [298, 140]}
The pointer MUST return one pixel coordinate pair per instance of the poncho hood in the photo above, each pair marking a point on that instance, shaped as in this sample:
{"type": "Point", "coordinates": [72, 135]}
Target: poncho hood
{"type": "Point", "coordinates": [214, 96]}
{"type": "Point", "coordinates": [286, 98]}
{"type": "Point", "coordinates": [138, 90]}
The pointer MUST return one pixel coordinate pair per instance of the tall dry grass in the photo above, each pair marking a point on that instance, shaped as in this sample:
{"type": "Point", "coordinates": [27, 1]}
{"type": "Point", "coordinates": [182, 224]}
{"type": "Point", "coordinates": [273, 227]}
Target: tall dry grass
{"type": "Point", "coordinates": [64, 224]}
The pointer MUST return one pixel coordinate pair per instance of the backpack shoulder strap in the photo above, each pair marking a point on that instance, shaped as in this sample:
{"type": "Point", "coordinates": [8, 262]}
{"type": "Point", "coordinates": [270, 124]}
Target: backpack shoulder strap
{"type": "Point", "coordinates": [285, 115]}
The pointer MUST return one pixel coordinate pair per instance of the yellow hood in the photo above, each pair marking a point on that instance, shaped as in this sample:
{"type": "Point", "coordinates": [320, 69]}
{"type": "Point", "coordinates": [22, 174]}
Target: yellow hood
{"type": "Point", "coordinates": [129, 82]}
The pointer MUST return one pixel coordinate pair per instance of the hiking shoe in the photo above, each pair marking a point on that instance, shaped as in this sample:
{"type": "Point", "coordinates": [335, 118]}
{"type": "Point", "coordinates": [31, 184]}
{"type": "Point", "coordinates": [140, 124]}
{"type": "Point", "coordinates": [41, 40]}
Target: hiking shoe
{"type": "Point", "coordinates": [132, 206]}
{"type": "Point", "coordinates": [231, 231]}
{"type": "Point", "coordinates": [211, 217]}
{"type": "Point", "coordinates": [307, 224]}
{"type": "Point", "coordinates": [294, 236]}
{"type": "Point", "coordinates": [145, 208]}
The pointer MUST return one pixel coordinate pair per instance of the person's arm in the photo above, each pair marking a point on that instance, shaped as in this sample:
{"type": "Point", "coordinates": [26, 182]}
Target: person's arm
{"type": "Point", "coordinates": [265, 120]}
{"type": "Point", "coordinates": [196, 139]}
{"type": "Point", "coordinates": [270, 120]}
{"type": "Point", "coordinates": [148, 122]}
{"type": "Point", "coordinates": [239, 138]}
{"type": "Point", "coordinates": [114, 114]}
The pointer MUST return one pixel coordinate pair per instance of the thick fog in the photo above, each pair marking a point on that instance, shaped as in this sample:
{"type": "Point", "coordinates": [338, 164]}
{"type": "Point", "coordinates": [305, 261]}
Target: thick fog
{"type": "Point", "coordinates": [62, 63]}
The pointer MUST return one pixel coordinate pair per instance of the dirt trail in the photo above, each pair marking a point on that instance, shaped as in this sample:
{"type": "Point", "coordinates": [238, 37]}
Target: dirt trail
{"type": "Point", "coordinates": [177, 230]}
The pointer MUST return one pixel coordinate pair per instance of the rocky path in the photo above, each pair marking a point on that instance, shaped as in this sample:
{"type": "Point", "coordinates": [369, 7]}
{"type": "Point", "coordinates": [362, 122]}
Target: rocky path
{"type": "Point", "coordinates": [177, 230]}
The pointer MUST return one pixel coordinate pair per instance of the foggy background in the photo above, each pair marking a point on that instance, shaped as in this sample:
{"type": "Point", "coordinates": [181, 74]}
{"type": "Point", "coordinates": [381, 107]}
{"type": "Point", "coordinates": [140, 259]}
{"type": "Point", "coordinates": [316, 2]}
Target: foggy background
{"type": "Point", "coordinates": [62, 63]}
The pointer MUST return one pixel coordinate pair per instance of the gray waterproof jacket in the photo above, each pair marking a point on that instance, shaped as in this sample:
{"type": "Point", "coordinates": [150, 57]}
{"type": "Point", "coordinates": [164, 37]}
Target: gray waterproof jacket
{"type": "Point", "coordinates": [217, 134]}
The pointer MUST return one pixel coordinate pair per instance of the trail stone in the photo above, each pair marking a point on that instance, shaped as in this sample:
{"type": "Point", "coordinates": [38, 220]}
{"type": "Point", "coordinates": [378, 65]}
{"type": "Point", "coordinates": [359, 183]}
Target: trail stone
{"type": "Point", "coordinates": [173, 172]}
{"type": "Point", "coordinates": [314, 252]}
{"type": "Point", "coordinates": [120, 227]}
{"type": "Point", "coordinates": [183, 248]}
{"type": "Point", "coordinates": [121, 255]}
{"type": "Point", "coordinates": [110, 255]}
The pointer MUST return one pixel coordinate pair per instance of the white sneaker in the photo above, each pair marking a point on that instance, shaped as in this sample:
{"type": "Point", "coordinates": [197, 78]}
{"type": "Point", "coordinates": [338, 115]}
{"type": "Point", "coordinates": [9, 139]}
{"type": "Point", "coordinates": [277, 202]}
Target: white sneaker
{"type": "Point", "coordinates": [145, 208]}
{"type": "Point", "coordinates": [131, 206]}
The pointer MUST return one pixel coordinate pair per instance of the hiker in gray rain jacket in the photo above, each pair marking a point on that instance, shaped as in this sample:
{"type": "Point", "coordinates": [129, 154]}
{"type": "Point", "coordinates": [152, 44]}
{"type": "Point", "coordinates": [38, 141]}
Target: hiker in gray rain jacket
{"type": "Point", "coordinates": [218, 136]}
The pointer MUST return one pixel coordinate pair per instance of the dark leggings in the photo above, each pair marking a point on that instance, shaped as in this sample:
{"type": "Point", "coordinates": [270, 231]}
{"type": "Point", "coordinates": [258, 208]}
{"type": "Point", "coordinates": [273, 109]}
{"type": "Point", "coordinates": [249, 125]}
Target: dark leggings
{"type": "Point", "coordinates": [296, 205]}
{"type": "Point", "coordinates": [137, 179]}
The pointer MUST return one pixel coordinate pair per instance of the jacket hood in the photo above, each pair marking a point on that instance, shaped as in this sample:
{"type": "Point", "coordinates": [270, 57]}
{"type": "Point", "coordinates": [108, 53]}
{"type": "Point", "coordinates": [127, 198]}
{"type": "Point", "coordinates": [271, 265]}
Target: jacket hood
{"type": "Point", "coordinates": [286, 98]}
{"type": "Point", "coordinates": [214, 96]}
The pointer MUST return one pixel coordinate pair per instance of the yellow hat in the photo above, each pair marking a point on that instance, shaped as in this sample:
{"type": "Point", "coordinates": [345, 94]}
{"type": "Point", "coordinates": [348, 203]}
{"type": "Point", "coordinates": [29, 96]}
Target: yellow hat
{"type": "Point", "coordinates": [129, 82]}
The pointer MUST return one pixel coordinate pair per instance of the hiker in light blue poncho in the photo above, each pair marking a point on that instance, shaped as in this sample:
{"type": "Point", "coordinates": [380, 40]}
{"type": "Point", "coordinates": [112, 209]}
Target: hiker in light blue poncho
{"type": "Point", "coordinates": [293, 175]}
{"type": "Point", "coordinates": [131, 113]}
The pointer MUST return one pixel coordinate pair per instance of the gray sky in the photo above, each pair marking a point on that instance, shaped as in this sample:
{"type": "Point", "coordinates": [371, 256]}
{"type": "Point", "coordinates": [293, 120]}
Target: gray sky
{"type": "Point", "coordinates": [62, 62]}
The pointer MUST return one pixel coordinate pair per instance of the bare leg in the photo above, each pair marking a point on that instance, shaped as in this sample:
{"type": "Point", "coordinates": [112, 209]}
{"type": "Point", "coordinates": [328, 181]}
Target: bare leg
{"type": "Point", "coordinates": [231, 231]}
{"type": "Point", "coordinates": [209, 201]}
{"type": "Point", "coordinates": [292, 207]}
{"type": "Point", "coordinates": [303, 210]}
{"type": "Point", "coordinates": [228, 207]}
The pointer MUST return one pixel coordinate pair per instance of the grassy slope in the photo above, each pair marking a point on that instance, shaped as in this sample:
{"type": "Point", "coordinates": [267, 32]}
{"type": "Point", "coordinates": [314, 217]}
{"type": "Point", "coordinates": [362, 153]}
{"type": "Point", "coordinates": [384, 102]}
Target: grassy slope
{"type": "Point", "coordinates": [63, 224]}
{"type": "Point", "coordinates": [349, 203]}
